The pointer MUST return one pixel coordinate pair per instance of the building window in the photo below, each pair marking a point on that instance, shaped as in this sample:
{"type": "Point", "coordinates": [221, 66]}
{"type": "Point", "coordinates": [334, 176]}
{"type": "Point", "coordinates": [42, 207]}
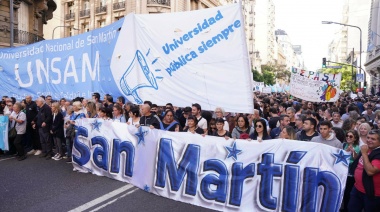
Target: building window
{"type": "Point", "coordinates": [85, 27]}
{"type": "Point", "coordinates": [101, 23]}
{"type": "Point", "coordinates": [119, 5]}
{"type": "Point", "coordinates": [102, 7]}
{"type": "Point", "coordinates": [71, 31]}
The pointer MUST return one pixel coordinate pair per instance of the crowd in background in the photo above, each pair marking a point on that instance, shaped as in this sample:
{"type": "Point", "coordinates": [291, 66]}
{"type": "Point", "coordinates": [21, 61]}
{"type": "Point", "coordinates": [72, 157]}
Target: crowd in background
{"type": "Point", "coordinates": [46, 128]}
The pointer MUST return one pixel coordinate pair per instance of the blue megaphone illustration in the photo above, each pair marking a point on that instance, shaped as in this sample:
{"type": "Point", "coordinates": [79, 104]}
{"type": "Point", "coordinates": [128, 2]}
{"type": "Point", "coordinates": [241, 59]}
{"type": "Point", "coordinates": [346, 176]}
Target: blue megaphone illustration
{"type": "Point", "coordinates": [133, 80]}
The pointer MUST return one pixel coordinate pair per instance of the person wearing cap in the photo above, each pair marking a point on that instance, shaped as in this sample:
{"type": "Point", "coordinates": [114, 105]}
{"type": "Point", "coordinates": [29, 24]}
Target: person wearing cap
{"type": "Point", "coordinates": [370, 115]}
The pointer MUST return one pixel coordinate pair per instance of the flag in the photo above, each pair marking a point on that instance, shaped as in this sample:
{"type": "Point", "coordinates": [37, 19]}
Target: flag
{"type": "Point", "coordinates": [371, 44]}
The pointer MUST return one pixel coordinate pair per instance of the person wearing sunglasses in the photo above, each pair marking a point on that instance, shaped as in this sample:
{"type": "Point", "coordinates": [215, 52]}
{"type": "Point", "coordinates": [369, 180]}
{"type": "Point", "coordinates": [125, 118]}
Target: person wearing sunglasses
{"type": "Point", "coordinates": [352, 146]}
{"type": "Point", "coordinates": [260, 132]}
{"type": "Point", "coordinates": [366, 170]}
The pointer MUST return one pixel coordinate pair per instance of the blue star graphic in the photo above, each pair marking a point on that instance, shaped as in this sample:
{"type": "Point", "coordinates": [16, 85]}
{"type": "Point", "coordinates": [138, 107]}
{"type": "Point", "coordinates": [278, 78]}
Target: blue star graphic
{"type": "Point", "coordinates": [141, 135]}
{"type": "Point", "coordinates": [96, 125]}
{"type": "Point", "coordinates": [341, 157]}
{"type": "Point", "coordinates": [146, 188]}
{"type": "Point", "coordinates": [233, 151]}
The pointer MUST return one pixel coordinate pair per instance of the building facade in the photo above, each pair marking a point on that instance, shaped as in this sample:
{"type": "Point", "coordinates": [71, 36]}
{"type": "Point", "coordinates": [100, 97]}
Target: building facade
{"type": "Point", "coordinates": [372, 64]}
{"type": "Point", "coordinates": [265, 31]}
{"type": "Point", "coordinates": [292, 53]}
{"type": "Point", "coordinates": [347, 39]}
{"type": "Point", "coordinates": [29, 17]}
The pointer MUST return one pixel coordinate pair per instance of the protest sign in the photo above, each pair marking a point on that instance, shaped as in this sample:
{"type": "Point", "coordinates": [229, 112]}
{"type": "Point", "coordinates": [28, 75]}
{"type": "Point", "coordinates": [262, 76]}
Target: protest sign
{"type": "Point", "coordinates": [180, 58]}
{"type": "Point", "coordinates": [315, 86]}
{"type": "Point", "coordinates": [4, 121]}
{"type": "Point", "coordinates": [213, 172]}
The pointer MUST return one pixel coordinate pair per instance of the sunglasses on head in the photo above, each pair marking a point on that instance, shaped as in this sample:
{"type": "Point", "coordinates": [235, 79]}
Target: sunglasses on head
{"type": "Point", "coordinates": [349, 136]}
{"type": "Point", "coordinates": [374, 132]}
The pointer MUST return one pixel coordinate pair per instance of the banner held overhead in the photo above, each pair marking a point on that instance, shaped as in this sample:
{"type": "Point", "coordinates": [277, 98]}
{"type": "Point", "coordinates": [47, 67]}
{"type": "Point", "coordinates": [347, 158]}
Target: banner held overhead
{"type": "Point", "coordinates": [180, 58]}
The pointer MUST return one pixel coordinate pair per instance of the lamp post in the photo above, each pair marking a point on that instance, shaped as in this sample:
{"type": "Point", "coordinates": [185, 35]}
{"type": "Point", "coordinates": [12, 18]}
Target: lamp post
{"type": "Point", "coordinates": [360, 55]}
{"type": "Point", "coordinates": [52, 35]}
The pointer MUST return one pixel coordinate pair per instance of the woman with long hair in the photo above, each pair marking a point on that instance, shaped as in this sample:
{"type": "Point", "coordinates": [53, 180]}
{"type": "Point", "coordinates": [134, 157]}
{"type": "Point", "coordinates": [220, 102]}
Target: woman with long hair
{"type": "Point", "coordinates": [363, 131]}
{"type": "Point", "coordinates": [56, 130]}
{"type": "Point", "coordinates": [117, 114]}
{"type": "Point", "coordinates": [242, 130]}
{"type": "Point", "coordinates": [168, 123]}
{"type": "Point", "coordinates": [352, 146]}
{"type": "Point", "coordinates": [288, 133]}
{"type": "Point", "coordinates": [211, 127]}
{"type": "Point", "coordinates": [91, 110]}
{"type": "Point", "coordinates": [260, 132]}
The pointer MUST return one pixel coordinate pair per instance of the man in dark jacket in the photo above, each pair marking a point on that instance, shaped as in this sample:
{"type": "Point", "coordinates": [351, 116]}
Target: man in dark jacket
{"type": "Point", "coordinates": [149, 119]}
{"type": "Point", "coordinates": [32, 138]}
{"type": "Point", "coordinates": [308, 130]}
{"type": "Point", "coordinates": [43, 123]}
{"type": "Point", "coordinates": [366, 169]}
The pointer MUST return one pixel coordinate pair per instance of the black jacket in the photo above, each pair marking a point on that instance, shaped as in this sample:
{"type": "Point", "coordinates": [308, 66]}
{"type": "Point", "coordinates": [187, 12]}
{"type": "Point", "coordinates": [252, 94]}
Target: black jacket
{"type": "Point", "coordinates": [152, 119]}
{"type": "Point", "coordinates": [44, 115]}
{"type": "Point", "coordinates": [57, 125]}
{"type": "Point", "coordinates": [31, 111]}
{"type": "Point", "coordinates": [367, 180]}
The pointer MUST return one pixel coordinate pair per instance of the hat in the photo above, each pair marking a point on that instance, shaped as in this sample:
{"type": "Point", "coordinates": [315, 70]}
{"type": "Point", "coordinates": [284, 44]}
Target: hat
{"type": "Point", "coordinates": [295, 102]}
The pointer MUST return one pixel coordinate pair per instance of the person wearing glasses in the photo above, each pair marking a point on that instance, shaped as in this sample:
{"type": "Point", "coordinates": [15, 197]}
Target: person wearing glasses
{"type": "Point", "coordinates": [260, 132]}
{"type": "Point", "coordinates": [352, 146]}
{"type": "Point", "coordinates": [219, 113]}
{"type": "Point", "coordinates": [366, 170]}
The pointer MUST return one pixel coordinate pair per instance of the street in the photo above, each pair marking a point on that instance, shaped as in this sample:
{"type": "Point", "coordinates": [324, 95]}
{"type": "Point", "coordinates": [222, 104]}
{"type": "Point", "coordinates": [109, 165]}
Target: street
{"type": "Point", "coordinates": [36, 184]}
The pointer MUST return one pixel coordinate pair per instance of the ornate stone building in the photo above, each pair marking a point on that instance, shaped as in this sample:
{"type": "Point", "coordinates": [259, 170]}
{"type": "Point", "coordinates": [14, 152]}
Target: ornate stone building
{"type": "Point", "coordinates": [29, 16]}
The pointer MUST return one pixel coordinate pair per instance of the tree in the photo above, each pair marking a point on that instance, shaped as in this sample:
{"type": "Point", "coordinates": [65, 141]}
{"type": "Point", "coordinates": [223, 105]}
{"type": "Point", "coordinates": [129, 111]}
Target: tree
{"type": "Point", "coordinates": [279, 72]}
{"type": "Point", "coordinates": [348, 73]}
{"type": "Point", "coordinates": [266, 77]}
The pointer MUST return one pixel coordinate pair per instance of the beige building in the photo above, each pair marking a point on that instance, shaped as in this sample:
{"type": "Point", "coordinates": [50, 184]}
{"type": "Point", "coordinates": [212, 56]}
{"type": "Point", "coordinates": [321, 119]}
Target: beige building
{"type": "Point", "coordinates": [29, 17]}
{"type": "Point", "coordinates": [265, 32]}
{"type": "Point", "coordinates": [79, 16]}
{"type": "Point", "coordinates": [372, 63]}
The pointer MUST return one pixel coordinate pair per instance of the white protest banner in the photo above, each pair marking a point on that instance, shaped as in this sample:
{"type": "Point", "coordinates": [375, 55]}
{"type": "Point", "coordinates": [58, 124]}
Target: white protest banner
{"type": "Point", "coordinates": [213, 172]}
{"type": "Point", "coordinates": [258, 86]}
{"type": "Point", "coordinates": [4, 121]}
{"type": "Point", "coordinates": [315, 86]}
{"type": "Point", "coordinates": [267, 90]}
{"type": "Point", "coordinates": [181, 58]}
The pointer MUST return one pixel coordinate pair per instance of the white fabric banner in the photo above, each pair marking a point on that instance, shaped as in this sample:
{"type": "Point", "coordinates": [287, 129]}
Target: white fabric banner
{"type": "Point", "coordinates": [212, 172]}
{"type": "Point", "coordinates": [258, 86]}
{"type": "Point", "coordinates": [315, 86]}
{"type": "Point", "coordinates": [199, 56]}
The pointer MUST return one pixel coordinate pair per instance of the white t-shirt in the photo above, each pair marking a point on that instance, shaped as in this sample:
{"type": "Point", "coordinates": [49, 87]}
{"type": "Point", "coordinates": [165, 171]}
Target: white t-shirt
{"type": "Point", "coordinates": [202, 123]}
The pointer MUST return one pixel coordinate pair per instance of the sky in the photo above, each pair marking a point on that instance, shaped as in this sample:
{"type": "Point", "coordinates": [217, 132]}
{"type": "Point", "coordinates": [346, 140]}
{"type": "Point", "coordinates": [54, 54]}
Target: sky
{"type": "Point", "coordinates": [301, 19]}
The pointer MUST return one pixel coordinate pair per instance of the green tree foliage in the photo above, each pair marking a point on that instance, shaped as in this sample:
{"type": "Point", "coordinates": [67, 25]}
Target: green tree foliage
{"type": "Point", "coordinates": [266, 77]}
{"type": "Point", "coordinates": [348, 81]}
{"type": "Point", "coordinates": [279, 72]}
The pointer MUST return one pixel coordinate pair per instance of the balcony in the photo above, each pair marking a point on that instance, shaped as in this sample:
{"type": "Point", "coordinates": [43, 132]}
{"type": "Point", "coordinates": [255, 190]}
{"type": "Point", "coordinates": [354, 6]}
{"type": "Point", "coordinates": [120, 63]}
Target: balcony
{"type": "Point", "coordinates": [160, 2]}
{"type": "Point", "coordinates": [24, 37]}
{"type": "Point", "coordinates": [69, 16]}
{"type": "Point", "coordinates": [119, 5]}
{"type": "Point", "coordinates": [101, 9]}
{"type": "Point", "coordinates": [84, 13]}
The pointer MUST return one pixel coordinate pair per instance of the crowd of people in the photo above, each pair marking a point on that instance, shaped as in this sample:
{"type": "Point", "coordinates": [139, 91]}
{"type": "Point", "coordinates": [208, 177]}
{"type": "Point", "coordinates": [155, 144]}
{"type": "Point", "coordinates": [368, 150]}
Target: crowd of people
{"type": "Point", "coordinates": [46, 128]}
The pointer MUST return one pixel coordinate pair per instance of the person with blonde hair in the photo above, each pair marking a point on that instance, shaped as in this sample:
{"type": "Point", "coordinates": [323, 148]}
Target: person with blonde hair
{"type": "Point", "coordinates": [56, 130]}
{"type": "Point", "coordinates": [70, 126]}
{"type": "Point", "coordinates": [220, 113]}
{"type": "Point", "coordinates": [91, 110]}
{"type": "Point", "coordinates": [288, 132]}
{"type": "Point", "coordinates": [363, 131]}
